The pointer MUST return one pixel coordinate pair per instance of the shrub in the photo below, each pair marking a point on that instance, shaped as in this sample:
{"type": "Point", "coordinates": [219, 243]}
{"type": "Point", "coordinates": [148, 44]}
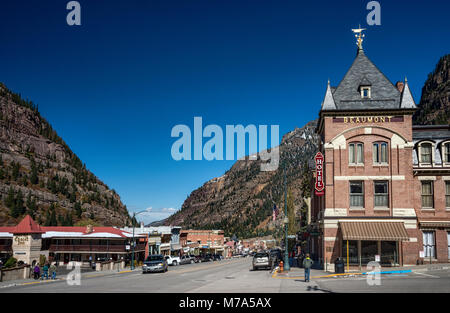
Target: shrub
{"type": "Point", "coordinates": [11, 262]}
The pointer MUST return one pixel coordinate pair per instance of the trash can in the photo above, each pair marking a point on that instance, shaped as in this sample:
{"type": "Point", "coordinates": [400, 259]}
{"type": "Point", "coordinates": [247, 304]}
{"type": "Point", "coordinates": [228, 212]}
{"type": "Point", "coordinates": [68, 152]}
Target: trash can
{"type": "Point", "coordinates": [339, 267]}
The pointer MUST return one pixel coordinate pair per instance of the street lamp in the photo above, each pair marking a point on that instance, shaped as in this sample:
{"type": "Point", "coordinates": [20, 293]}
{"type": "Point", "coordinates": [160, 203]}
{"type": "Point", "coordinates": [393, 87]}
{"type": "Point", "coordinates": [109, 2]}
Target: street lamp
{"type": "Point", "coordinates": [286, 222]}
{"type": "Point", "coordinates": [133, 243]}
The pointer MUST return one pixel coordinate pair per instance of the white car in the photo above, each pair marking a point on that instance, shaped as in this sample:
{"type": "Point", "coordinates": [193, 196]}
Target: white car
{"type": "Point", "coordinates": [172, 260]}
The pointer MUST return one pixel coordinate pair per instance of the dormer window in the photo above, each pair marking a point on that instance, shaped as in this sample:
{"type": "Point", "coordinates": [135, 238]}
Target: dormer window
{"type": "Point", "coordinates": [426, 153]}
{"type": "Point", "coordinates": [446, 152]}
{"type": "Point", "coordinates": [366, 92]}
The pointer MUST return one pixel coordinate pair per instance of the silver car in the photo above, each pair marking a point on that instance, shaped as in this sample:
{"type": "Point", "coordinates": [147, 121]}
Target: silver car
{"type": "Point", "coordinates": [261, 260]}
{"type": "Point", "coordinates": [155, 263]}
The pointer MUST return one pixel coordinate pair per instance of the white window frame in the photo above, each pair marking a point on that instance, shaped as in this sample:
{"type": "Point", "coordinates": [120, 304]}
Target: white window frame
{"type": "Point", "coordinates": [375, 194]}
{"type": "Point", "coordinates": [445, 161]}
{"type": "Point", "coordinates": [355, 145]}
{"type": "Point", "coordinates": [433, 145]}
{"type": "Point", "coordinates": [422, 195]}
{"type": "Point", "coordinates": [429, 244]}
{"type": "Point", "coordinates": [369, 92]}
{"type": "Point", "coordinates": [359, 195]}
{"type": "Point", "coordinates": [380, 144]}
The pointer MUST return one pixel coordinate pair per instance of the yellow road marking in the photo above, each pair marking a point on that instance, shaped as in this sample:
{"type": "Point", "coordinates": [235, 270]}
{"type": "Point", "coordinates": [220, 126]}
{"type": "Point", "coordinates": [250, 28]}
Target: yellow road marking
{"type": "Point", "coordinates": [275, 275]}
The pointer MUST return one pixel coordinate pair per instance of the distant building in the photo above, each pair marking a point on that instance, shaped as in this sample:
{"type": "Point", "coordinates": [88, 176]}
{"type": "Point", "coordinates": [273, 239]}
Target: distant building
{"type": "Point", "coordinates": [202, 241]}
{"type": "Point", "coordinates": [161, 239]}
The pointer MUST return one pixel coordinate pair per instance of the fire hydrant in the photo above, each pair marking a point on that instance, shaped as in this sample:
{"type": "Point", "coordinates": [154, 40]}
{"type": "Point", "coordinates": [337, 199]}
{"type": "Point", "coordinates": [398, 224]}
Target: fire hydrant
{"type": "Point", "coordinates": [281, 266]}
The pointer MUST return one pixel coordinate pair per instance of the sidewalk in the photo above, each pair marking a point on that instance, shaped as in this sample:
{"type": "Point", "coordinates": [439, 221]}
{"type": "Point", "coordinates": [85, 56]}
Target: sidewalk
{"type": "Point", "coordinates": [62, 277]}
{"type": "Point", "coordinates": [298, 273]}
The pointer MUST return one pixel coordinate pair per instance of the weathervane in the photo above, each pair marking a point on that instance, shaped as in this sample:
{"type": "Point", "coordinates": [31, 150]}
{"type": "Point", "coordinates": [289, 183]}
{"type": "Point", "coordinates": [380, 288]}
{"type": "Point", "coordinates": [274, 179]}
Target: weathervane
{"type": "Point", "coordinates": [359, 36]}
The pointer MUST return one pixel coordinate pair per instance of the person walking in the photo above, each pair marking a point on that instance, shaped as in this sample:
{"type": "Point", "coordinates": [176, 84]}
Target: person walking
{"type": "Point", "coordinates": [307, 264]}
{"type": "Point", "coordinates": [37, 272]}
{"type": "Point", "coordinates": [45, 271]}
{"type": "Point", "coordinates": [53, 271]}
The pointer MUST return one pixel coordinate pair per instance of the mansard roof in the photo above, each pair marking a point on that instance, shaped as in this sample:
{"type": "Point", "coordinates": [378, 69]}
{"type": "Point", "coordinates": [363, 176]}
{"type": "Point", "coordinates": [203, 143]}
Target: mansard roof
{"type": "Point", "coordinates": [384, 95]}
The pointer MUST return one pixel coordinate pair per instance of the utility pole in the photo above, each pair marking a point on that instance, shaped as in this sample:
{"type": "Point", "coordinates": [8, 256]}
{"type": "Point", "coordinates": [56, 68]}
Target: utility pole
{"type": "Point", "coordinates": [286, 222]}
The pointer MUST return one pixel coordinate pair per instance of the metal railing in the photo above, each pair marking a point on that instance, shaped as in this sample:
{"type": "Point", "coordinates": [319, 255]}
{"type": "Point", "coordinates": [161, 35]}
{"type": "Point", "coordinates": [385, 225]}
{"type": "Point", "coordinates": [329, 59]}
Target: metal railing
{"type": "Point", "coordinates": [93, 248]}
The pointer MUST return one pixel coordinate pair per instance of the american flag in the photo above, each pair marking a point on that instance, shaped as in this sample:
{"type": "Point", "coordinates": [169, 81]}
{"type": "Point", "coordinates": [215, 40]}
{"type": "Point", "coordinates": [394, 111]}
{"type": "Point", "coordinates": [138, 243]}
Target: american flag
{"type": "Point", "coordinates": [274, 212]}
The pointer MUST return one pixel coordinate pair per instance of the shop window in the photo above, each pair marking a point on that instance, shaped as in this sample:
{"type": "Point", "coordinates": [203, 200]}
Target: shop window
{"type": "Point", "coordinates": [381, 194]}
{"type": "Point", "coordinates": [357, 194]}
{"type": "Point", "coordinates": [448, 244]}
{"type": "Point", "coordinates": [427, 194]}
{"type": "Point", "coordinates": [356, 153]}
{"type": "Point", "coordinates": [380, 153]}
{"type": "Point", "coordinates": [429, 244]}
{"type": "Point", "coordinates": [389, 253]}
{"type": "Point", "coordinates": [368, 251]}
{"type": "Point", "coordinates": [352, 251]}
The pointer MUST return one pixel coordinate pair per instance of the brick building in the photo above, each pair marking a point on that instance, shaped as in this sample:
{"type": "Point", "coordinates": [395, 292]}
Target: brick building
{"type": "Point", "coordinates": [202, 241]}
{"type": "Point", "coordinates": [386, 181]}
{"type": "Point", "coordinates": [28, 241]}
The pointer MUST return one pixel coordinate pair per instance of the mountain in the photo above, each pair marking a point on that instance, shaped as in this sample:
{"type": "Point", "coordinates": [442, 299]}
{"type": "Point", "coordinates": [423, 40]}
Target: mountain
{"type": "Point", "coordinates": [434, 107]}
{"type": "Point", "coordinates": [241, 201]}
{"type": "Point", "coordinates": [41, 176]}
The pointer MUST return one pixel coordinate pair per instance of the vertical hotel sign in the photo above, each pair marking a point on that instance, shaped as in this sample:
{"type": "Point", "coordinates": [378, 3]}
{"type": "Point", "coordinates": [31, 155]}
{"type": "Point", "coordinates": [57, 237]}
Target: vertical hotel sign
{"type": "Point", "coordinates": [319, 185]}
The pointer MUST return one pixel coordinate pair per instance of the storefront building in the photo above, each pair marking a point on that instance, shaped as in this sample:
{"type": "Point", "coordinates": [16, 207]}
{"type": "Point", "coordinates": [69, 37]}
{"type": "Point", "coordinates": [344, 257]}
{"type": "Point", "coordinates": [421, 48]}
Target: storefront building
{"type": "Point", "coordinates": [385, 181]}
{"type": "Point", "coordinates": [203, 241]}
{"type": "Point", "coordinates": [28, 241]}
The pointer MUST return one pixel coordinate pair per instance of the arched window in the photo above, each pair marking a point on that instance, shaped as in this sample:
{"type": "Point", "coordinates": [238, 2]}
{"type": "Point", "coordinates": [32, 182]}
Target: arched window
{"type": "Point", "coordinates": [445, 149]}
{"type": "Point", "coordinates": [426, 154]}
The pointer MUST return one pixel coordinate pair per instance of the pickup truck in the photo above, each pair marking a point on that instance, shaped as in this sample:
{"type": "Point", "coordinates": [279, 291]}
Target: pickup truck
{"type": "Point", "coordinates": [172, 260]}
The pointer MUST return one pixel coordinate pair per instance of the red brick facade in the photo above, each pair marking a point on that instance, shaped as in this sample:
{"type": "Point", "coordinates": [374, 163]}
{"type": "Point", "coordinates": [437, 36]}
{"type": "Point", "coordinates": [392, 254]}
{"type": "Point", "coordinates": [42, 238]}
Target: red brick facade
{"type": "Point", "coordinates": [395, 173]}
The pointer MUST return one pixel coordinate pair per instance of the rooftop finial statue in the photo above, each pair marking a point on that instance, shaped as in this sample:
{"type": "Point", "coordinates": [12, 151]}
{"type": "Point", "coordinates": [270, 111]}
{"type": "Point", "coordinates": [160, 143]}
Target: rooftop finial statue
{"type": "Point", "coordinates": [359, 36]}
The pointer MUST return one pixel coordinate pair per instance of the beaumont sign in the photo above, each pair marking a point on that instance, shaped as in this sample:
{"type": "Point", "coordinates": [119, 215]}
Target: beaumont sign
{"type": "Point", "coordinates": [319, 185]}
{"type": "Point", "coordinates": [368, 119]}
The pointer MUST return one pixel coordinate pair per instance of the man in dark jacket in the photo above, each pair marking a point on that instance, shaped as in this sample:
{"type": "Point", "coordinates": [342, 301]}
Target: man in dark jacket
{"type": "Point", "coordinates": [307, 264]}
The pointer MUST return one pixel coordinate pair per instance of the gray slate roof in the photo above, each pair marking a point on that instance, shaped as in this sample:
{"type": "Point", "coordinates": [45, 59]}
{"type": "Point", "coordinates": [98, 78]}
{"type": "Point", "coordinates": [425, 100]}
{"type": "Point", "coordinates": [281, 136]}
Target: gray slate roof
{"type": "Point", "coordinates": [384, 95]}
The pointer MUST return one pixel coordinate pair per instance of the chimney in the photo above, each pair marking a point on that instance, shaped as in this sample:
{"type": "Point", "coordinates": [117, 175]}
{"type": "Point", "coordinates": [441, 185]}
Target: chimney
{"type": "Point", "coordinates": [89, 229]}
{"type": "Point", "coordinates": [400, 86]}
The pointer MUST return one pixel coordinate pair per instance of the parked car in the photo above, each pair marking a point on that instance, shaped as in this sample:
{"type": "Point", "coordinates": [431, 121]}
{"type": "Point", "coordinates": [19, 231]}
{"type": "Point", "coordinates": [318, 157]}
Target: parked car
{"type": "Point", "coordinates": [186, 259]}
{"type": "Point", "coordinates": [205, 258]}
{"type": "Point", "coordinates": [261, 260]}
{"type": "Point", "coordinates": [155, 263]}
{"type": "Point", "coordinates": [172, 260]}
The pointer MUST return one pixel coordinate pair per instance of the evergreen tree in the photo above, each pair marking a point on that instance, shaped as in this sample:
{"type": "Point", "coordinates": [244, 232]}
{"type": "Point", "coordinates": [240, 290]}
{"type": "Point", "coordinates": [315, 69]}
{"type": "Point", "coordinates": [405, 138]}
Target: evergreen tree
{"type": "Point", "coordinates": [78, 210]}
{"type": "Point", "coordinates": [10, 202]}
{"type": "Point", "coordinates": [34, 179]}
{"type": "Point", "coordinates": [20, 207]}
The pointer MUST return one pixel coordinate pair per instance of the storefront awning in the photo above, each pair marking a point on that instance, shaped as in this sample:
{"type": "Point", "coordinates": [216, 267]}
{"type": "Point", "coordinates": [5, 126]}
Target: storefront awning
{"type": "Point", "coordinates": [176, 247]}
{"type": "Point", "coordinates": [383, 231]}
{"type": "Point", "coordinates": [434, 224]}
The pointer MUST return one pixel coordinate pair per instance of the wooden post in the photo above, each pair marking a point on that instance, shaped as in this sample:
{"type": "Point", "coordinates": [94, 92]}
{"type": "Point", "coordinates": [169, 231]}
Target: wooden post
{"type": "Point", "coordinates": [348, 261]}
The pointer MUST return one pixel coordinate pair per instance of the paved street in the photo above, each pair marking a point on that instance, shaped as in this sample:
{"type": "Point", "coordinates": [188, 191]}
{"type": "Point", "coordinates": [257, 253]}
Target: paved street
{"type": "Point", "coordinates": [225, 276]}
{"type": "Point", "coordinates": [235, 276]}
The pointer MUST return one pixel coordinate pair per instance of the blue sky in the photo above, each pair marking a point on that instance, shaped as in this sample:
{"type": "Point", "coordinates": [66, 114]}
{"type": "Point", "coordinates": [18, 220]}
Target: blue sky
{"type": "Point", "coordinates": [114, 87]}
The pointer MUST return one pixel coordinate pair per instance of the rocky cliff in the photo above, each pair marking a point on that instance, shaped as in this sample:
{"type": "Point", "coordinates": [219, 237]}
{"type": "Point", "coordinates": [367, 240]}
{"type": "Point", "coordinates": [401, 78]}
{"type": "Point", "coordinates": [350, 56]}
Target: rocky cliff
{"type": "Point", "coordinates": [434, 107]}
{"type": "Point", "coordinates": [241, 201]}
{"type": "Point", "coordinates": [41, 176]}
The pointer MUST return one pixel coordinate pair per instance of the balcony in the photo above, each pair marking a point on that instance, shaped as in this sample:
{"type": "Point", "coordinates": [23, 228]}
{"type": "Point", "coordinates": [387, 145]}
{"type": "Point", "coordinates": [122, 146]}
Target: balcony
{"type": "Point", "coordinates": [5, 248]}
{"type": "Point", "coordinates": [94, 248]}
